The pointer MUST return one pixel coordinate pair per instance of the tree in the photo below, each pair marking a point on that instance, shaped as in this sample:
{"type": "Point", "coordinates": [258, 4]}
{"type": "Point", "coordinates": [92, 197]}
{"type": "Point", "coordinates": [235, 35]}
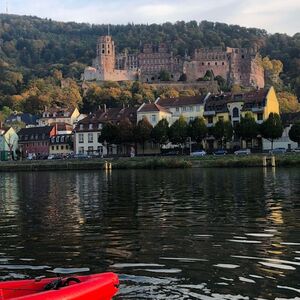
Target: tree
{"type": "Point", "coordinates": [160, 132]}
{"type": "Point", "coordinates": [288, 102]}
{"type": "Point", "coordinates": [143, 132]}
{"type": "Point", "coordinates": [197, 129]}
{"type": "Point", "coordinates": [178, 131]}
{"type": "Point", "coordinates": [223, 131]}
{"type": "Point", "coordinates": [183, 77]}
{"type": "Point", "coordinates": [247, 129]}
{"type": "Point", "coordinates": [125, 132]}
{"type": "Point", "coordinates": [294, 133]}
{"type": "Point", "coordinates": [109, 134]}
{"type": "Point", "coordinates": [164, 75]}
{"type": "Point", "coordinates": [272, 128]}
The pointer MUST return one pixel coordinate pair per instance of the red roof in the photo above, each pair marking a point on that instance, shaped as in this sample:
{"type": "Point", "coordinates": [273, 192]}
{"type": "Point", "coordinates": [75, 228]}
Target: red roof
{"type": "Point", "coordinates": [148, 107]}
{"type": "Point", "coordinates": [181, 101]}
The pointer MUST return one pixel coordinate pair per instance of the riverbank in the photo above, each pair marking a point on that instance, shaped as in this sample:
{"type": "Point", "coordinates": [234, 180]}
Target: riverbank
{"type": "Point", "coordinates": [228, 161]}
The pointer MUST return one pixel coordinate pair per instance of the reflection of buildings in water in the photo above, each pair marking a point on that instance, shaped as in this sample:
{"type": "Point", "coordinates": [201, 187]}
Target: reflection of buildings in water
{"type": "Point", "coordinates": [9, 193]}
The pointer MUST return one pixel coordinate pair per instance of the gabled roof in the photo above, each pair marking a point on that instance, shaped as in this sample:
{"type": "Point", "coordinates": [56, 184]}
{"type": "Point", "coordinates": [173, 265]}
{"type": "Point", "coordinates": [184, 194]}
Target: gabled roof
{"type": "Point", "coordinates": [27, 118]}
{"type": "Point", "coordinates": [3, 130]}
{"type": "Point", "coordinates": [35, 133]}
{"type": "Point", "coordinates": [149, 107]}
{"type": "Point", "coordinates": [180, 101]}
{"type": "Point", "coordinates": [251, 99]}
{"type": "Point", "coordinates": [113, 115]}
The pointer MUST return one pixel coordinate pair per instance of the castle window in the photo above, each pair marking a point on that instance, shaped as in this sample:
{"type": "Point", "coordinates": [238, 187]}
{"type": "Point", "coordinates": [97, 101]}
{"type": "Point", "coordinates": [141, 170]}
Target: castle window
{"type": "Point", "coordinates": [216, 63]}
{"type": "Point", "coordinates": [235, 112]}
{"type": "Point", "coordinates": [103, 51]}
{"type": "Point", "coordinates": [108, 52]}
{"type": "Point", "coordinates": [243, 56]}
{"type": "Point", "coordinates": [203, 64]}
{"type": "Point", "coordinates": [223, 63]}
{"type": "Point", "coordinates": [208, 64]}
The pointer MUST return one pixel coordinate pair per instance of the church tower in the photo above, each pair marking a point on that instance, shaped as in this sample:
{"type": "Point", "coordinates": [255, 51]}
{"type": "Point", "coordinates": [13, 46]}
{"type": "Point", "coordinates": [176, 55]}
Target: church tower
{"type": "Point", "coordinates": [106, 54]}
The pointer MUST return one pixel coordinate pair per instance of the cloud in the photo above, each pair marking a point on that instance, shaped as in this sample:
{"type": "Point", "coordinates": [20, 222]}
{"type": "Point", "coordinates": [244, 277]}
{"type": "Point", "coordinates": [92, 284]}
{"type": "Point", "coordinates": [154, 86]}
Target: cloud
{"type": "Point", "coordinates": [272, 15]}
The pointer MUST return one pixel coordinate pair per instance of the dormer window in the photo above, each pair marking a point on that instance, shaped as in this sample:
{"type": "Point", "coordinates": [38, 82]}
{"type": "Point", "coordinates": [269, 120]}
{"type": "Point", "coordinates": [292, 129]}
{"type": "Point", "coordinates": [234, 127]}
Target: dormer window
{"type": "Point", "coordinates": [90, 126]}
{"type": "Point", "coordinates": [81, 126]}
{"type": "Point", "coordinates": [235, 113]}
{"type": "Point", "coordinates": [57, 139]}
{"type": "Point", "coordinates": [99, 126]}
{"type": "Point", "coordinates": [62, 139]}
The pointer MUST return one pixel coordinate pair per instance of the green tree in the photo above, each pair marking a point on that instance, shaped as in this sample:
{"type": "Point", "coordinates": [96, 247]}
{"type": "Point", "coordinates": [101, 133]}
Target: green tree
{"type": "Point", "coordinates": [272, 128]}
{"type": "Point", "coordinates": [109, 134]}
{"type": "Point", "coordinates": [223, 132]}
{"type": "Point", "coordinates": [247, 129]}
{"type": "Point", "coordinates": [178, 132]}
{"type": "Point", "coordinates": [143, 132]}
{"type": "Point", "coordinates": [294, 133]}
{"type": "Point", "coordinates": [160, 132]}
{"type": "Point", "coordinates": [125, 133]}
{"type": "Point", "coordinates": [164, 75]}
{"type": "Point", "coordinates": [197, 129]}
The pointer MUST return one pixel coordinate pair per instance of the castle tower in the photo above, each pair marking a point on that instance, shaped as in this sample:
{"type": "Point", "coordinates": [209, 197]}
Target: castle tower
{"type": "Point", "coordinates": [106, 54]}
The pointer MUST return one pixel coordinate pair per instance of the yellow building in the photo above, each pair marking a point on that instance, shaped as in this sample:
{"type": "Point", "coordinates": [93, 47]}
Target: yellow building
{"type": "Point", "coordinates": [232, 107]}
{"type": "Point", "coordinates": [154, 113]}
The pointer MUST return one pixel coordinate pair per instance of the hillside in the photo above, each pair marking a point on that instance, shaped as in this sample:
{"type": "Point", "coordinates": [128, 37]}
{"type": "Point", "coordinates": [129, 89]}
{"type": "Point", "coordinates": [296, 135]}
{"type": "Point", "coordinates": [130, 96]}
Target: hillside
{"type": "Point", "coordinates": [32, 47]}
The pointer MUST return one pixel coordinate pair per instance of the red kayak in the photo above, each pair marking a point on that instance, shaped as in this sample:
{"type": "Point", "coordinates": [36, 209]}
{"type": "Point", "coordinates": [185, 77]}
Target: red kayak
{"type": "Point", "coordinates": [92, 287]}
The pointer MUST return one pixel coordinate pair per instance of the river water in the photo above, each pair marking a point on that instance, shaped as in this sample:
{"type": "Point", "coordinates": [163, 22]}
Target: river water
{"type": "Point", "coordinates": [169, 234]}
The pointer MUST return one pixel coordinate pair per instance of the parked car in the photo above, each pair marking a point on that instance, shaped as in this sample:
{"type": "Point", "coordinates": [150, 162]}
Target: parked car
{"type": "Point", "coordinates": [278, 151]}
{"type": "Point", "coordinates": [243, 152]}
{"type": "Point", "coordinates": [51, 156]}
{"type": "Point", "coordinates": [220, 152]}
{"type": "Point", "coordinates": [296, 150]}
{"type": "Point", "coordinates": [198, 153]}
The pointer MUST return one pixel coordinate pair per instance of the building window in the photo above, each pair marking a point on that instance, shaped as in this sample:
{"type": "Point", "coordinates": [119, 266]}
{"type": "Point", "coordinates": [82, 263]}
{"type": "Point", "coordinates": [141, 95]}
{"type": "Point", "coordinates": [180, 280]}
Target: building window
{"type": "Point", "coordinates": [153, 118]}
{"type": "Point", "coordinates": [191, 108]}
{"type": "Point", "coordinates": [99, 126]}
{"type": "Point", "coordinates": [177, 109]}
{"type": "Point", "coordinates": [90, 126]}
{"type": "Point", "coordinates": [81, 150]}
{"type": "Point", "coordinates": [62, 139]}
{"type": "Point", "coordinates": [61, 147]}
{"type": "Point", "coordinates": [90, 149]}
{"type": "Point", "coordinates": [57, 147]}
{"type": "Point", "coordinates": [210, 120]}
{"type": "Point", "coordinates": [81, 126]}
{"type": "Point", "coordinates": [259, 117]}
{"type": "Point", "coordinates": [57, 139]}
{"type": "Point", "coordinates": [235, 113]}
{"type": "Point", "coordinates": [100, 150]}
{"type": "Point", "coordinates": [91, 138]}
{"type": "Point", "coordinates": [216, 63]}
{"type": "Point", "coordinates": [52, 147]}
{"type": "Point", "coordinates": [184, 108]}
{"type": "Point", "coordinates": [80, 138]}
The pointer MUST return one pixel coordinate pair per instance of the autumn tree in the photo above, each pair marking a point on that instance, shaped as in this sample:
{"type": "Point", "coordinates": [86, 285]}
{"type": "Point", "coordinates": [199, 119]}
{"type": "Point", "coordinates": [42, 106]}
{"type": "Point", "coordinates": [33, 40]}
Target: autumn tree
{"type": "Point", "coordinates": [222, 132]}
{"type": "Point", "coordinates": [288, 102]}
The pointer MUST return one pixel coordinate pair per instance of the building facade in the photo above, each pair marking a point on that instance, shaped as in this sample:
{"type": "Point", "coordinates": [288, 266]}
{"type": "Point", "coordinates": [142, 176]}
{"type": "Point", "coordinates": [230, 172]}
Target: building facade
{"type": "Point", "coordinates": [8, 143]}
{"type": "Point", "coordinates": [34, 142]}
{"type": "Point", "coordinates": [88, 130]}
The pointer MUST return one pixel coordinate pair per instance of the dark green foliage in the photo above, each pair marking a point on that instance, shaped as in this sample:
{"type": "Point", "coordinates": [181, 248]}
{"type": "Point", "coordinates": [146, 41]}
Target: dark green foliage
{"type": "Point", "coordinates": [247, 129]}
{"type": "Point", "coordinates": [109, 134]}
{"type": "Point", "coordinates": [223, 131]}
{"type": "Point", "coordinates": [197, 129]}
{"type": "Point", "coordinates": [164, 75]}
{"type": "Point", "coordinates": [272, 128]}
{"type": "Point", "coordinates": [160, 132]}
{"type": "Point", "coordinates": [294, 133]}
{"type": "Point", "coordinates": [183, 77]}
{"type": "Point", "coordinates": [178, 131]}
{"type": "Point", "coordinates": [143, 132]}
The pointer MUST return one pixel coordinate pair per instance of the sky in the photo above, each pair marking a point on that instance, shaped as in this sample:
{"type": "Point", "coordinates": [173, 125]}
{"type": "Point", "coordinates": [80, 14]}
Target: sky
{"type": "Point", "coordinates": [273, 15]}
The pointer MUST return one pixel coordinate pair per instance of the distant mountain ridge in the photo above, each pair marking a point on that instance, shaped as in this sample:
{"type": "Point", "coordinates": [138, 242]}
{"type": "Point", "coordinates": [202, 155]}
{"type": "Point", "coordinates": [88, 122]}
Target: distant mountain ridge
{"type": "Point", "coordinates": [35, 47]}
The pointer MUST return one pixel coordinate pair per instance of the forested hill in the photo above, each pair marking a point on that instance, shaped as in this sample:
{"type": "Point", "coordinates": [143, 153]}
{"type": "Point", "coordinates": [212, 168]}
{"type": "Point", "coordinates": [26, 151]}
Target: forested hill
{"type": "Point", "coordinates": [35, 47]}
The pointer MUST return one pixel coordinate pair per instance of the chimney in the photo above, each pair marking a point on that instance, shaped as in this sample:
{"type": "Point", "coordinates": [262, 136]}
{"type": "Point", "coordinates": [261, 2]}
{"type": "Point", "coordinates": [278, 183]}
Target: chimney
{"type": "Point", "coordinates": [104, 107]}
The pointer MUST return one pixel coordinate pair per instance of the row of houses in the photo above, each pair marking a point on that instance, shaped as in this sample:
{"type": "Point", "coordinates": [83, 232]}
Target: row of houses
{"type": "Point", "coordinates": [61, 131]}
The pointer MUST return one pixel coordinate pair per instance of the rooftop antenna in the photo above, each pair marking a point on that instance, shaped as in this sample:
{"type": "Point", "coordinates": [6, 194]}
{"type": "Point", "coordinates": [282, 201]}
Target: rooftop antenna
{"type": "Point", "coordinates": [6, 6]}
{"type": "Point", "coordinates": [108, 31]}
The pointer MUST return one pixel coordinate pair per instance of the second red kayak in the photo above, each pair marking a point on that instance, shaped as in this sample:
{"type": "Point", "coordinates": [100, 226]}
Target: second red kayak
{"type": "Point", "coordinates": [92, 287]}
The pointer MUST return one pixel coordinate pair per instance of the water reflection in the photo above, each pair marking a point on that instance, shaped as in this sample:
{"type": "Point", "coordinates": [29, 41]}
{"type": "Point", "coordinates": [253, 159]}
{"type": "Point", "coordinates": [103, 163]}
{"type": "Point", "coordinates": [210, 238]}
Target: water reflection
{"type": "Point", "coordinates": [183, 234]}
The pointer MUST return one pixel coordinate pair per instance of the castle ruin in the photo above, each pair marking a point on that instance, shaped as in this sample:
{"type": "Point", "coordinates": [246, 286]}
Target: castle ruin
{"type": "Point", "coordinates": [240, 66]}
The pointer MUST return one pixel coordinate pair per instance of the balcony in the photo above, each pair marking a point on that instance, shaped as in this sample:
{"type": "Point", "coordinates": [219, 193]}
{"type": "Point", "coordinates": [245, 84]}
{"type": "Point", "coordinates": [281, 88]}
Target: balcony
{"type": "Point", "coordinates": [257, 109]}
{"type": "Point", "coordinates": [209, 113]}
